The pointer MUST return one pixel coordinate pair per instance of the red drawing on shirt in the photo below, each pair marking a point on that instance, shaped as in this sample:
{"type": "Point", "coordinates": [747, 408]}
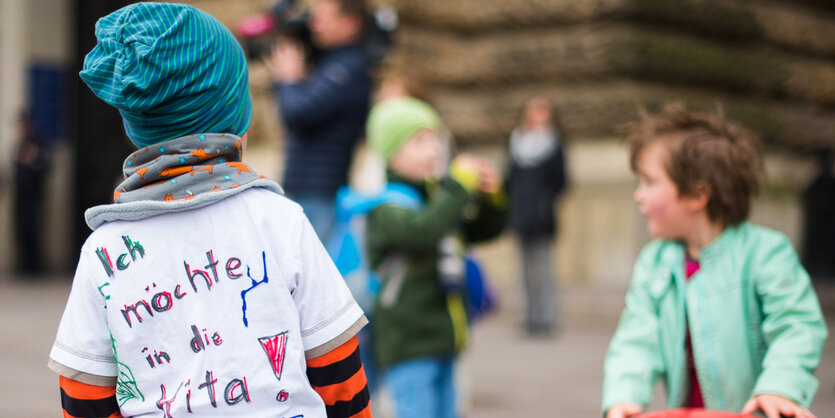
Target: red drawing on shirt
{"type": "Point", "coordinates": [164, 403]}
{"type": "Point", "coordinates": [276, 347]}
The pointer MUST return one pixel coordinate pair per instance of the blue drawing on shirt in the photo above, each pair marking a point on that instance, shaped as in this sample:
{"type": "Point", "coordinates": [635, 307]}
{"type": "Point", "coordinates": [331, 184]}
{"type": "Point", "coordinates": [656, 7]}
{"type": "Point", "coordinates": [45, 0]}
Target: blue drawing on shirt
{"type": "Point", "coordinates": [254, 285]}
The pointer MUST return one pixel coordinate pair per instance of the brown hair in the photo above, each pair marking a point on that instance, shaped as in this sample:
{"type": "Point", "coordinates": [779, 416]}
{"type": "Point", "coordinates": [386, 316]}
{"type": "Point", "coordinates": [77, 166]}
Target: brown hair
{"type": "Point", "coordinates": [355, 8]}
{"type": "Point", "coordinates": [704, 152]}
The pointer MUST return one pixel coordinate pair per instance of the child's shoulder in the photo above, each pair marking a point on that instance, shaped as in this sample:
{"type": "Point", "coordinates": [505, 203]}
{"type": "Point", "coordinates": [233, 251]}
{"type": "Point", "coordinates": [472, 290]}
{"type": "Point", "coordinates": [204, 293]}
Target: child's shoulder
{"type": "Point", "coordinates": [658, 249]}
{"type": "Point", "coordinates": [746, 236]}
{"type": "Point", "coordinates": [765, 246]}
{"type": "Point", "coordinates": [258, 207]}
{"type": "Point", "coordinates": [255, 205]}
{"type": "Point", "coordinates": [756, 243]}
{"type": "Point", "coordinates": [758, 234]}
{"type": "Point", "coordinates": [269, 200]}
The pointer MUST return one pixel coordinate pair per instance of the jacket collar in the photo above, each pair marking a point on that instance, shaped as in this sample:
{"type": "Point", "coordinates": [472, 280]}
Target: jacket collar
{"type": "Point", "coordinates": [716, 247]}
{"type": "Point", "coordinates": [393, 177]}
{"type": "Point", "coordinates": [673, 254]}
{"type": "Point", "coordinates": [671, 260]}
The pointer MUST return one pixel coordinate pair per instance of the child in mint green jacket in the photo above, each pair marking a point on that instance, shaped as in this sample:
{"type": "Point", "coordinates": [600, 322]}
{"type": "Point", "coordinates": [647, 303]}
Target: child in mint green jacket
{"type": "Point", "coordinates": [718, 308]}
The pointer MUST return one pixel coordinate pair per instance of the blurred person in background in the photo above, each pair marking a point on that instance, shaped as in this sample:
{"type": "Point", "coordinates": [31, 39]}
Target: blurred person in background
{"type": "Point", "coordinates": [324, 108]}
{"type": "Point", "coordinates": [535, 180]}
{"type": "Point", "coordinates": [31, 168]}
{"type": "Point", "coordinates": [819, 219]}
{"type": "Point", "coordinates": [420, 323]}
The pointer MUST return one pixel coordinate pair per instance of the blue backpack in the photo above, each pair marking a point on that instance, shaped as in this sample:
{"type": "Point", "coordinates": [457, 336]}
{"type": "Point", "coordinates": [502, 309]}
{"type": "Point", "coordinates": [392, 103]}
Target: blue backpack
{"type": "Point", "coordinates": [347, 248]}
{"type": "Point", "coordinates": [347, 244]}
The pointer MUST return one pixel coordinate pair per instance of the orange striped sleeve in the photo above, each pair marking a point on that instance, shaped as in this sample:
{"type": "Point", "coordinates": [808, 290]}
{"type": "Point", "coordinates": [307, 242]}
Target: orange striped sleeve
{"type": "Point", "coordinates": [335, 355]}
{"type": "Point", "coordinates": [114, 415]}
{"type": "Point", "coordinates": [339, 378]}
{"type": "Point", "coordinates": [365, 413]}
{"type": "Point", "coordinates": [81, 400]}
{"type": "Point", "coordinates": [346, 390]}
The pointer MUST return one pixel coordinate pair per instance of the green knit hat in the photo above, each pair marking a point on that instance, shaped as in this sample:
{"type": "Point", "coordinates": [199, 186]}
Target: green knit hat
{"type": "Point", "coordinates": [171, 70]}
{"type": "Point", "coordinates": [392, 122]}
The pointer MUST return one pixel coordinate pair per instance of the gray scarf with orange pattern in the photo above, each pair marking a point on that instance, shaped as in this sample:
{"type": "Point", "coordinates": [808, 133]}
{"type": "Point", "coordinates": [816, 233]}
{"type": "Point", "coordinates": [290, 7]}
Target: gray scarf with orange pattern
{"type": "Point", "coordinates": [177, 175]}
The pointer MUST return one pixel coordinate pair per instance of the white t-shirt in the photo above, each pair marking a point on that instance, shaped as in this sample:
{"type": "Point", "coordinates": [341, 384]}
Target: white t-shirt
{"type": "Point", "coordinates": [209, 311]}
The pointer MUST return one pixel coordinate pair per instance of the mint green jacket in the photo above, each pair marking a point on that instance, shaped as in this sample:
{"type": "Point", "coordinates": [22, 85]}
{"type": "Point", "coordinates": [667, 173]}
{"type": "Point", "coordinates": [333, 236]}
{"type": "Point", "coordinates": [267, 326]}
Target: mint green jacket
{"type": "Point", "coordinates": [755, 321]}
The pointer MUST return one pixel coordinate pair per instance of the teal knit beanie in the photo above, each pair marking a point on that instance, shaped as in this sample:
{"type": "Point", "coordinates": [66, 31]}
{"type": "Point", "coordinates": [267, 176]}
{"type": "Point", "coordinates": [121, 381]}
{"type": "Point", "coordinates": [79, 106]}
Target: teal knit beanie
{"type": "Point", "coordinates": [392, 122]}
{"type": "Point", "coordinates": [171, 70]}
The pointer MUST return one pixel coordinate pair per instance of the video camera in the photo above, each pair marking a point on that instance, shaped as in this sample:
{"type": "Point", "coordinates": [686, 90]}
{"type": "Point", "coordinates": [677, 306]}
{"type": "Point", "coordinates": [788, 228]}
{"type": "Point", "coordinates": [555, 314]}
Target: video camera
{"type": "Point", "coordinates": [285, 21]}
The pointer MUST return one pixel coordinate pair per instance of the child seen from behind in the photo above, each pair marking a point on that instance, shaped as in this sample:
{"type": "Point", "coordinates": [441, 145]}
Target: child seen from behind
{"type": "Point", "coordinates": [202, 289]}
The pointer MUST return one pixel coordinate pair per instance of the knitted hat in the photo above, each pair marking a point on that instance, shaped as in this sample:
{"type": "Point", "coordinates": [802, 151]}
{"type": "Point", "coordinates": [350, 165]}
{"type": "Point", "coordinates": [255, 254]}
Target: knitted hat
{"type": "Point", "coordinates": [171, 70]}
{"type": "Point", "coordinates": [392, 122]}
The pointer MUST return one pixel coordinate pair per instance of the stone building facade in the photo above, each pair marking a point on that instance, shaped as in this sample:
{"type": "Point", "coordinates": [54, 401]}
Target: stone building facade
{"type": "Point", "coordinates": [771, 64]}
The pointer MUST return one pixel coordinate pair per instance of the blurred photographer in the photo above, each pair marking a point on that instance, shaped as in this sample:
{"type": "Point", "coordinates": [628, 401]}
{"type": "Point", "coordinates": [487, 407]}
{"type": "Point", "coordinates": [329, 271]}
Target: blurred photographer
{"type": "Point", "coordinates": [324, 107]}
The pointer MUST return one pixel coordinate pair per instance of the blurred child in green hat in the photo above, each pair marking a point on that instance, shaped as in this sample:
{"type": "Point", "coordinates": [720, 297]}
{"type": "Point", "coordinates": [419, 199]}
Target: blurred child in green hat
{"type": "Point", "coordinates": [420, 323]}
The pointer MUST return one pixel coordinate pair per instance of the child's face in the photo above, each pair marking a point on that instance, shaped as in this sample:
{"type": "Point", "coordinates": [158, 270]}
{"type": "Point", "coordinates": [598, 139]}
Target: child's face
{"type": "Point", "coordinates": [668, 215]}
{"type": "Point", "coordinates": [419, 157]}
{"type": "Point", "coordinates": [537, 114]}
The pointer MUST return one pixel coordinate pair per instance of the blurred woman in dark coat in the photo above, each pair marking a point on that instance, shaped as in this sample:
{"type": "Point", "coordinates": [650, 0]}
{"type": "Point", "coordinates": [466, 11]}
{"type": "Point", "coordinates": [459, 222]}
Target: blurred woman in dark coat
{"type": "Point", "coordinates": [536, 179]}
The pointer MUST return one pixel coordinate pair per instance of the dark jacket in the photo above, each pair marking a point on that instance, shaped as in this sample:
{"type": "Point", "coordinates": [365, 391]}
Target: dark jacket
{"type": "Point", "coordinates": [419, 322]}
{"type": "Point", "coordinates": [324, 116]}
{"type": "Point", "coordinates": [533, 195]}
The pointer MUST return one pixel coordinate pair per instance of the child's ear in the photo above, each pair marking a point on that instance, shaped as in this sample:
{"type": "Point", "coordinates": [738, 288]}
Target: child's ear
{"type": "Point", "coordinates": [700, 197]}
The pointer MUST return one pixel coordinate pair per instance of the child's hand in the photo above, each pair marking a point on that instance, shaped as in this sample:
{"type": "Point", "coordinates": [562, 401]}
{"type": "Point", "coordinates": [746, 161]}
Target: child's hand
{"type": "Point", "coordinates": [775, 406]}
{"type": "Point", "coordinates": [475, 174]}
{"type": "Point", "coordinates": [465, 170]}
{"type": "Point", "coordinates": [286, 62]}
{"type": "Point", "coordinates": [489, 178]}
{"type": "Point", "coordinates": [624, 410]}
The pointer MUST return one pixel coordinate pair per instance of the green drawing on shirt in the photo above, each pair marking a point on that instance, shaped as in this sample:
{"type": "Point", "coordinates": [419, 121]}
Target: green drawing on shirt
{"type": "Point", "coordinates": [126, 388]}
{"type": "Point", "coordinates": [106, 297]}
